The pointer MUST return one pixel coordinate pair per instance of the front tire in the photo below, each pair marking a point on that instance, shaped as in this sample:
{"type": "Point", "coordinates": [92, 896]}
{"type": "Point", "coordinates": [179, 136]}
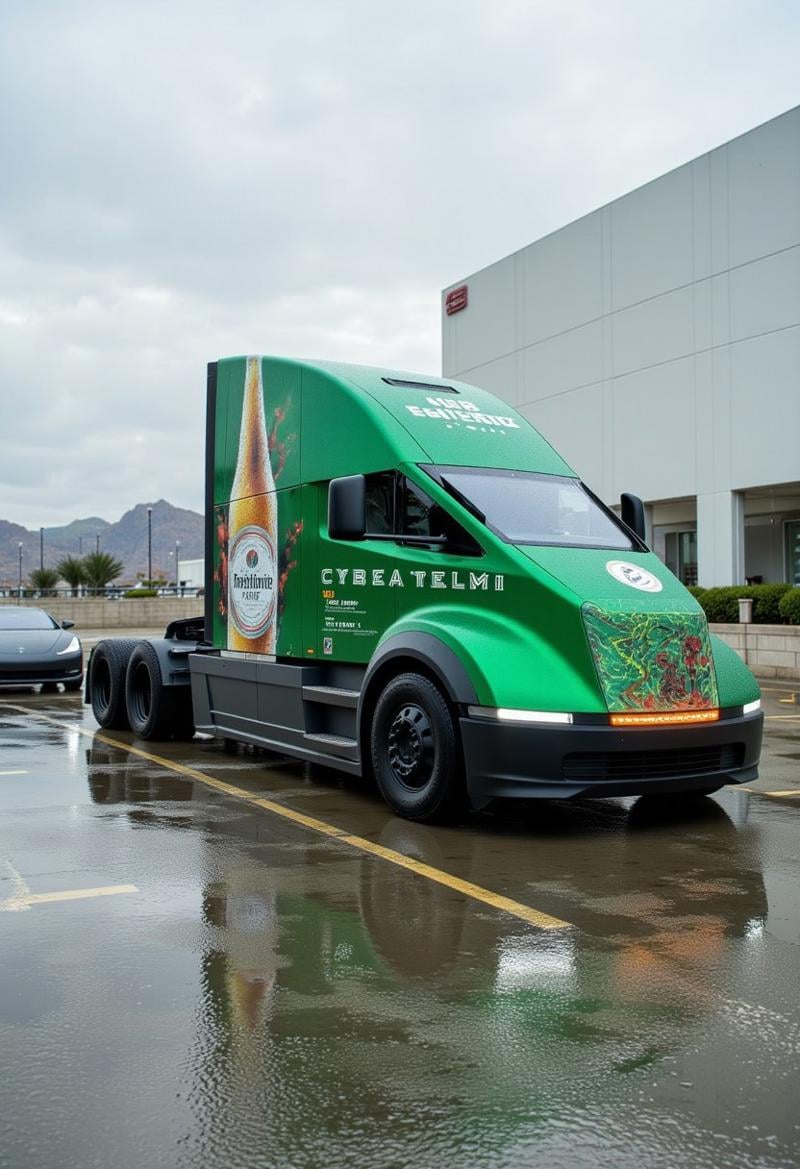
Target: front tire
{"type": "Point", "coordinates": [107, 682]}
{"type": "Point", "coordinates": [415, 750]}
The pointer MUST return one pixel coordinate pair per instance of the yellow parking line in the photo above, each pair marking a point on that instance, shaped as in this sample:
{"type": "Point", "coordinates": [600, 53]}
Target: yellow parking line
{"type": "Point", "coordinates": [524, 912]}
{"type": "Point", "coordinates": [27, 899]}
{"type": "Point", "coordinates": [477, 892]}
{"type": "Point", "coordinates": [784, 717]}
{"type": "Point", "coordinates": [737, 787]}
{"type": "Point", "coordinates": [13, 772]}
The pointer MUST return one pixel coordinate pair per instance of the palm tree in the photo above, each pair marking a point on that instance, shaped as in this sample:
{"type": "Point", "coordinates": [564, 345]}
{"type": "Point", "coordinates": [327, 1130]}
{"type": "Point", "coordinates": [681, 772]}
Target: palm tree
{"type": "Point", "coordinates": [101, 568]}
{"type": "Point", "coordinates": [44, 580]}
{"type": "Point", "coordinates": [73, 571]}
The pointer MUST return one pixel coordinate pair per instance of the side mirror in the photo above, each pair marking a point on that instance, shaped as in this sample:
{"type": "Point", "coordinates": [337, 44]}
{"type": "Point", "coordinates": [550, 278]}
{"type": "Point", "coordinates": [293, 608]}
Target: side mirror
{"type": "Point", "coordinates": [633, 513]}
{"type": "Point", "coordinates": [67, 624]}
{"type": "Point", "coordinates": [347, 508]}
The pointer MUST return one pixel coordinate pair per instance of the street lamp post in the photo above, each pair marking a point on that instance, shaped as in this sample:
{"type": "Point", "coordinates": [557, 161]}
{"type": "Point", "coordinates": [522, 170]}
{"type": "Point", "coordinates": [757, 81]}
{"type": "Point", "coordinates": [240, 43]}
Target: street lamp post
{"type": "Point", "coordinates": [149, 547]}
{"type": "Point", "coordinates": [97, 543]}
{"type": "Point", "coordinates": [19, 589]}
{"type": "Point", "coordinates": [41, 548]}
{"type": "Point", "coordinates": [177, 571]}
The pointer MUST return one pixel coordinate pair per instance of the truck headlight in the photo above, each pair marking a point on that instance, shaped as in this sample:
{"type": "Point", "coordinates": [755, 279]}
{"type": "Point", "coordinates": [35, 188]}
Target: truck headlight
{"type": "Point", "coordinates": [508, 714]}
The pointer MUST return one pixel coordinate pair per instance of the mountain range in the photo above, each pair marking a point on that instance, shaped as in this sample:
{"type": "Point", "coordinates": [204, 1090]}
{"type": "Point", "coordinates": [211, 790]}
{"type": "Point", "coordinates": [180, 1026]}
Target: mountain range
{"type": "Point", "coordinates": [126, 540]}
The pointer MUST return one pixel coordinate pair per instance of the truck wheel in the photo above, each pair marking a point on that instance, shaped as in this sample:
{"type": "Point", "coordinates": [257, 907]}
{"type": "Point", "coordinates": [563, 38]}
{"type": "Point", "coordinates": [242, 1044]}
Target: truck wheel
{"type": "Point", "coordinates": [107, 682]}
{"type": "Point", "coordinates": [153, 711]}
{"type": "Point", "coordinates": [416, 755]}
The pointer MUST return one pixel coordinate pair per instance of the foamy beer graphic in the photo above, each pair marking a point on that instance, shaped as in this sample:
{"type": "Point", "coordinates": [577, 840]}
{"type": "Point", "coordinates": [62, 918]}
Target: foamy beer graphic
{"type": "Point", "coordinates": [253, 529]}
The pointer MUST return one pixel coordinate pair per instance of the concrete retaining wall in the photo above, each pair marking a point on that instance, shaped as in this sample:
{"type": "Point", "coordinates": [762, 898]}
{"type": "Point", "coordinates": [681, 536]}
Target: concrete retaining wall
{"type": "Point", "coordinates": [140, 613]}
{"type": "Point", "coordinates": [771, 651]}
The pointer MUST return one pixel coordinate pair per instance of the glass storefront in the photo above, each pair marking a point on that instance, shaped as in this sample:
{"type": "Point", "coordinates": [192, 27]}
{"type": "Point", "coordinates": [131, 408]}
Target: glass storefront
{"type": "Point", "coordinates": [680, 555]}
{"type": "Point", "coordinates": [792, 529]}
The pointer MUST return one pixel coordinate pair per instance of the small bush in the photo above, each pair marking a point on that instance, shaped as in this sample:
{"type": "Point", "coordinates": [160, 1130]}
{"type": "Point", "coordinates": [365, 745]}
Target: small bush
{"type": "Point", "coordinates": [697, 592]}
{"type": "Point", "coordinates": [722, 604]}
{"type": "Point", "coordinates": [766, 603]}
{"type": "Point", "coordinates": [789, 606]}
{"type": "Point", "coordinates": [134, 594]}
{"type": "Point", "coordinates": [719, 605]}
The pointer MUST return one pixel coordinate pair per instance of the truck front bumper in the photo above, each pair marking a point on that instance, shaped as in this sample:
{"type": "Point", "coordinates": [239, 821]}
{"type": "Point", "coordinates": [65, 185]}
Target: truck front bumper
{"type": "Point", "coordinates": [522, 761]}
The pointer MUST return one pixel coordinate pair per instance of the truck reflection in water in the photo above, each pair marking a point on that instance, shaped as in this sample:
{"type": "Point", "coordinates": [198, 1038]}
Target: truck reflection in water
{"type": "Point", "coordinates": [116, 777]}
{"type": "Point", "coordinates": [347, 1003]}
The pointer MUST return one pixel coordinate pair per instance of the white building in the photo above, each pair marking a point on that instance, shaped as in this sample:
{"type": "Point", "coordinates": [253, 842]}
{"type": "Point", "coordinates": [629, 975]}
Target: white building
{"type": "Point", "coordinates": [656, 343]}
{"type": "Point", "coordinates": [191, 573]}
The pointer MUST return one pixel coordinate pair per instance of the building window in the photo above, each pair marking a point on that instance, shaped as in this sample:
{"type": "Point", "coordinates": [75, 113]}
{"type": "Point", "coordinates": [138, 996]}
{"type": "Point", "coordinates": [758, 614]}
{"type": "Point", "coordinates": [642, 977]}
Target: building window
{"type": "Point", "coordinates": [680, 555]}
{"type": "Point", "coordinates": [793, 552]}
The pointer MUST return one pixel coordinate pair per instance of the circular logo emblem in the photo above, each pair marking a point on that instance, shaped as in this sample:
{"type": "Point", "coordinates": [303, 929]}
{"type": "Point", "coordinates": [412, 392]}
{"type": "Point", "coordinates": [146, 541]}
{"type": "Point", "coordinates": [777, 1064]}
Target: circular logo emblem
{"type": "Point", "coordinates": [252, 581]}
{"type": "Point", "coordinates": [633, 575]}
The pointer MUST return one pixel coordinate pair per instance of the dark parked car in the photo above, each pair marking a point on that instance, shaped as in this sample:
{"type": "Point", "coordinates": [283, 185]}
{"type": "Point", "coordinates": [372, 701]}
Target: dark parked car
{"type": "Point", "coordinates": [35, 648]}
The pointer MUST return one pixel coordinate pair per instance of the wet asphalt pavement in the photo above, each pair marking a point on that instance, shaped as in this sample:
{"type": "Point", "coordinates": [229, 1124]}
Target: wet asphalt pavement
{"type": "Point", "coordinates": [189, 979]}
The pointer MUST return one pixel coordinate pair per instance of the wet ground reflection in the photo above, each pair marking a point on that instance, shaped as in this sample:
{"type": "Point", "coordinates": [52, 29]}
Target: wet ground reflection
{"type": "Point", "coordinates": [277, 998]}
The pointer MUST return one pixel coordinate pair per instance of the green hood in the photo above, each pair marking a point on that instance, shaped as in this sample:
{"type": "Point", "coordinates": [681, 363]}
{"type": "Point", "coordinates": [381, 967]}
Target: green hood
{"type": "Point", "coordinates": [650, 644]}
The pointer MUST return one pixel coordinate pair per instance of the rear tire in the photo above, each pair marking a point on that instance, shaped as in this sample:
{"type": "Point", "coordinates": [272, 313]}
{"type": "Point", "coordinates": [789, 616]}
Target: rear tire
{"type": "Point", "coordinates": [155, 711]}
{"type": "Point", "coordinates": [107, 682]}
{"type": "Point", "coordinates": [415, 750]}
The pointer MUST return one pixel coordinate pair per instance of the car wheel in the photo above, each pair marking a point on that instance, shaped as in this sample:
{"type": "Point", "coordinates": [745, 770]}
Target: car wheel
{"type": "Point", "coordinates": [49, 687]}
{"type": "Point", "coordinates": [155, 711]}
{"type": "Point", "coordinates": [107, 681]}
{"type": "Point", "coordinates": [416, 753]}
{"type": "Point", "coordinates": [697, 792]}
{"type": "Point", "coordinates": [74, 685]}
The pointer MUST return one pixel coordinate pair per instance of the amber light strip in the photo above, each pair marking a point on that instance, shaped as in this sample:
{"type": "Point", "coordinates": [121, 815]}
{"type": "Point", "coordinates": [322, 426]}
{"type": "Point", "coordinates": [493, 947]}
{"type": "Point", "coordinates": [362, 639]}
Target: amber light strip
{"type": "Point", "coordinates": [664, 719]}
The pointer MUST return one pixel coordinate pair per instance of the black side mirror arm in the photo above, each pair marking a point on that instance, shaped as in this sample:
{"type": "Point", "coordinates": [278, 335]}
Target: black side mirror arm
{"type": "Point", "coordinates": [632, 510]}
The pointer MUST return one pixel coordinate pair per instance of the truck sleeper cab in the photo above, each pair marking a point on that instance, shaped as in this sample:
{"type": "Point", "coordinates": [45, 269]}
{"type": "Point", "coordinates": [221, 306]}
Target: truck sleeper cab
{"type": "Point", "coordinates": [403, 578]}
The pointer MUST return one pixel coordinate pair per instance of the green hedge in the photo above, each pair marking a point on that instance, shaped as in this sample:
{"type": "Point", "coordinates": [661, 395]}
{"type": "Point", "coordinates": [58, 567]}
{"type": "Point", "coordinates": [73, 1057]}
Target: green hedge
{"type": "Point", "coordinates": [722, 604]}
{"type": "Point", "coordinates": [134, 594]}
{"type": "Point", "coordinates": [789, 607]}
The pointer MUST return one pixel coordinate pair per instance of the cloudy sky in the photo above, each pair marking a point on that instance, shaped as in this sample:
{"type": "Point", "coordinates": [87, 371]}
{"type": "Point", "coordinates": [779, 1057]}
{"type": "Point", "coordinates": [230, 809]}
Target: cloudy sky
{"type": "Point", "coordinates": [187, 180]}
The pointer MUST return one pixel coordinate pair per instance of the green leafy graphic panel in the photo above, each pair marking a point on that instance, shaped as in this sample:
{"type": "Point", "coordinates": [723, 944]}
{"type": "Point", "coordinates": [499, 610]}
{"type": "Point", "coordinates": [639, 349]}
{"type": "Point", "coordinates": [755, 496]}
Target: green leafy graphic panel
{"type": "Point", "coordinates": [652, 661]}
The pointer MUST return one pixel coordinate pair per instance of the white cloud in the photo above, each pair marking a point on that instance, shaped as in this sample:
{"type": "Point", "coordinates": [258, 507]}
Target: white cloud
{"type": "Point", "coordinates": [182, 182]}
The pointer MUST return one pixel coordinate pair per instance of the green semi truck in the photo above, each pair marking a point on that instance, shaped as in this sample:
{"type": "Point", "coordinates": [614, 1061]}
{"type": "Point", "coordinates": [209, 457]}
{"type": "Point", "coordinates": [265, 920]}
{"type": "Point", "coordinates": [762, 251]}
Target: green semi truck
{"type": "Point", "coordinates": [404, 579]}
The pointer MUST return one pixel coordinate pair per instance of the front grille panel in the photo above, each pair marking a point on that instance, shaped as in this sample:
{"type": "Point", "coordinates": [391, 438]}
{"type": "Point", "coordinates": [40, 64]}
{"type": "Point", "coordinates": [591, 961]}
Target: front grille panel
{"type": "Point", "coordinates": [599, 766]}
{"type": "Point", "coordinates": [11, 672]}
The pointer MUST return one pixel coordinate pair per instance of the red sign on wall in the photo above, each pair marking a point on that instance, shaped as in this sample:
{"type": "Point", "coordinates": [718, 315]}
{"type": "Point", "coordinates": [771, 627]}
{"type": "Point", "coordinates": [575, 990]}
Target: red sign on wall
{"type": "Point", "coordinates": [455, 300]}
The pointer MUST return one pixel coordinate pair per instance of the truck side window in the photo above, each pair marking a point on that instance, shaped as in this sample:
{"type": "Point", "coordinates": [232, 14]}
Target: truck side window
{"type": "Point", "coordinates": [415, 511]}
{"type": "Point", "coordinates": [396, 506]}
{"type": "Point", "coordinates": [380, 491]}
{"type": "Point", "coordinates": [419, 516]}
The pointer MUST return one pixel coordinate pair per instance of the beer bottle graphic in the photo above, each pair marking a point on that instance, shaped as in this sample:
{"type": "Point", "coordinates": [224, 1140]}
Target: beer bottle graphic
{"type": "Point", "coordinates": [253, 529]}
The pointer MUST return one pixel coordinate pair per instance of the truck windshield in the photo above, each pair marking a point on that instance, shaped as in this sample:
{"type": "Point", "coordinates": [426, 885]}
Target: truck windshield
{"type": "Point", "coordinates": [527, 508]}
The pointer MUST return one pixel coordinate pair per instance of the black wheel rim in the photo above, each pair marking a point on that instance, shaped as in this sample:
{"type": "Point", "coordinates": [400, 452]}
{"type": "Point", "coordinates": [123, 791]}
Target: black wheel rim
{"type": "Point", "coordinates": [411, 747]}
